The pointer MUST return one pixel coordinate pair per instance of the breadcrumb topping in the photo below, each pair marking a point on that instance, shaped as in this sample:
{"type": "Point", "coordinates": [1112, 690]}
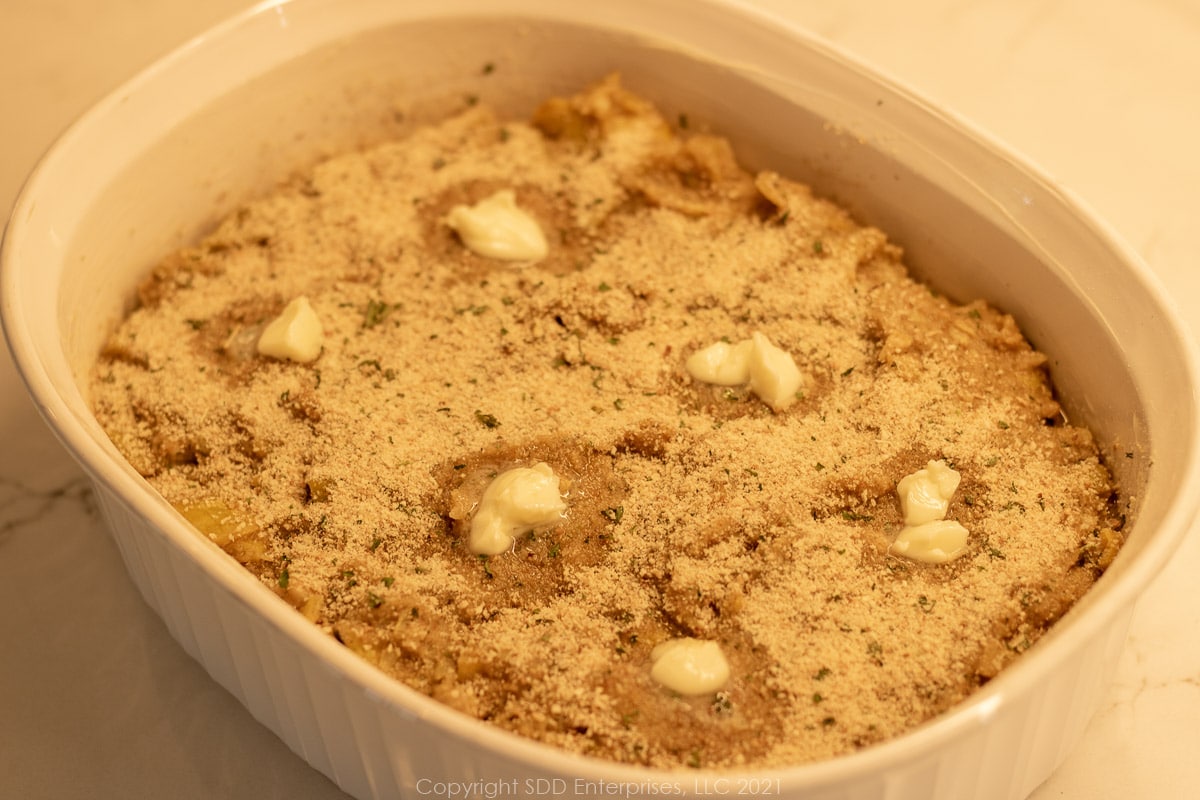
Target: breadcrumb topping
{"type": "Point", "coordinates": [347, 483]}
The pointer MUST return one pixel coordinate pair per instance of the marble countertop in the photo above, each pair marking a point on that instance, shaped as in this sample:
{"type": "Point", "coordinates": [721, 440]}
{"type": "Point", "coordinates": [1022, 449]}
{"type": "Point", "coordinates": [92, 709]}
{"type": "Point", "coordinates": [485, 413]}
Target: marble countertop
{"type": "Point", "coordinates": [96, 700]}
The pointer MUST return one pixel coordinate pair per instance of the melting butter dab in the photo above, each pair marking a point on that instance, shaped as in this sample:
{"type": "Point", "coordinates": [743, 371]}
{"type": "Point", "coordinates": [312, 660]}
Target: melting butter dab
{"type": "Point", "coordinates": [295, 335]}
{"type": "Point", "coordinates": [496, 228]}
{"type": "Point", "coordinates": [774, 376]}
{"type": "Point", "coordinates": [927, 535]}
{"type": "Point", "coordinates": [515, 502]}
{"type": "Point", "coordinates": [935, 542]}
{"type": "Point", "coordinates": [689, 666]}
{"type": "Point", "coordinates": [722, 363]}
{"type": "Point", "coordinates": [770, 371]}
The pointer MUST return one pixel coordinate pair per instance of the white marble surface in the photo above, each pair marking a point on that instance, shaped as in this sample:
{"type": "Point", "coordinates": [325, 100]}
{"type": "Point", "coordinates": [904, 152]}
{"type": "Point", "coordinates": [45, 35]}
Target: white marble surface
{"type": "Point", "coordinates": [97, 701]}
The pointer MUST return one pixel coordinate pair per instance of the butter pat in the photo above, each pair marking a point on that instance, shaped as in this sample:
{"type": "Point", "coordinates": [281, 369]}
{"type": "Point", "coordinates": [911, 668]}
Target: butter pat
{"type": "Point", "coordinates": [933, 542]}
{"type": "Point", "coordinates": [515, 502]}
{"type": "Point", "coordinates": [689, 666]}
{"type": "Point", "coordinates": [770, 371]}
{"type": "Point", "coordinates": [495, 228]}
{"type": "Point", "coordinates": [722, 363]}
{"type": "Point", "coordinates": [925, 494]}
{"type": "Point", "coordinates": [295, 335]}
{"type": "Point", "coordinates": [927, 535]}
{"type": "Point", "coordinates": [774, 376]}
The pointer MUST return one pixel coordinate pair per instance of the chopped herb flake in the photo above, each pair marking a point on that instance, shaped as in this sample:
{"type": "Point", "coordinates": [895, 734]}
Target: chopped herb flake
{"type": "Point", "coordinates": [376, 312]}
{"type": "Point", "coordinates": [614, 514]}
{"type": "Point", "coordinates": [487, 420]}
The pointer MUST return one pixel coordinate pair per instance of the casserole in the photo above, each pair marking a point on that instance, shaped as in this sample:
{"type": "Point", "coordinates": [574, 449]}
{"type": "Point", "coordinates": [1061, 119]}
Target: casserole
{"type": "Point", "coordinates": [158, 161]}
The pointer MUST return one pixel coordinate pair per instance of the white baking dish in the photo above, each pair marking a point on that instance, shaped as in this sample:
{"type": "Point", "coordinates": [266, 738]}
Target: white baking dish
{"type": "Point", "coordinates": [159, 160]}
